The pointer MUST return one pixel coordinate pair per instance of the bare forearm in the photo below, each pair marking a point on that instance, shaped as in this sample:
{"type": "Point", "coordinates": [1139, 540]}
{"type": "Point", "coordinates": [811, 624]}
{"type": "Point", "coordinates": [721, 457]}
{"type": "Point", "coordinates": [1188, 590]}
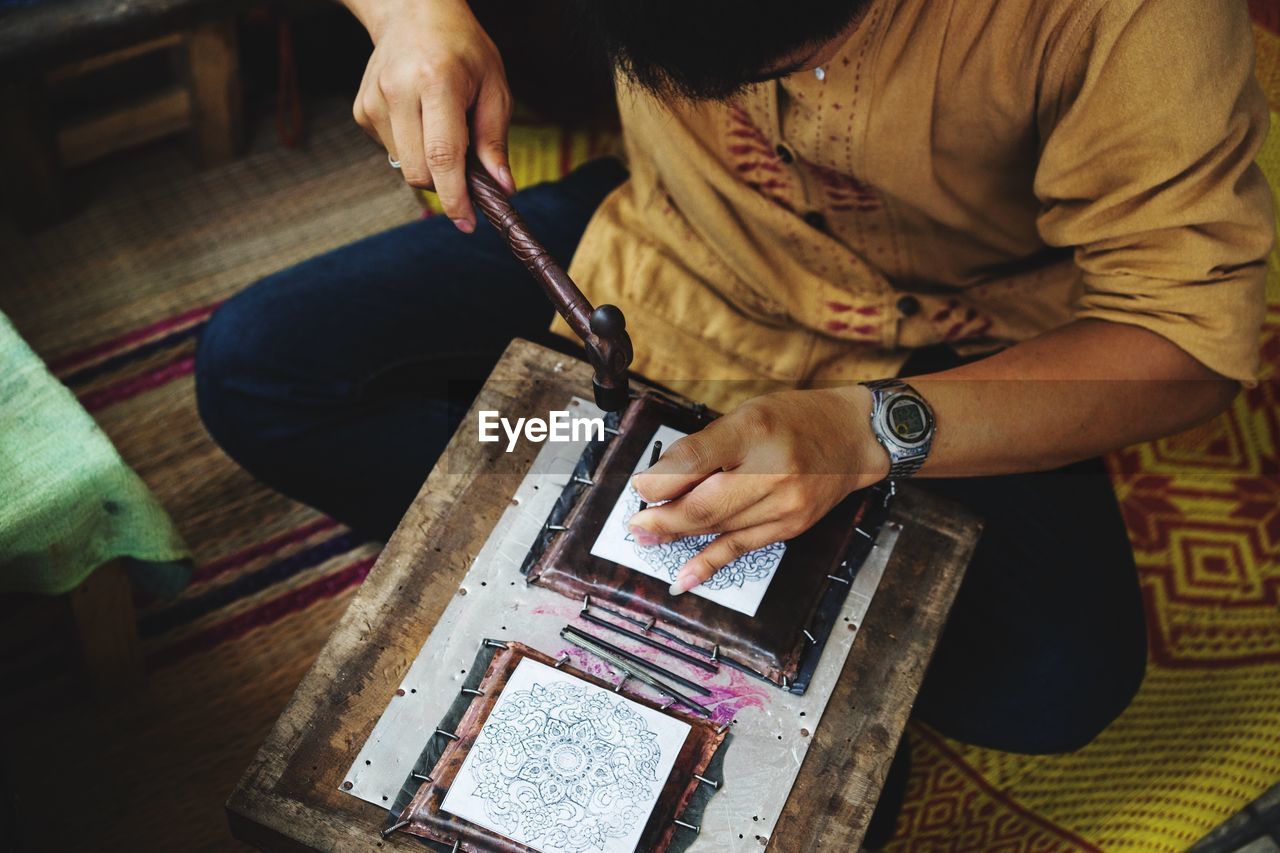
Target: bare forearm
{"type": "Point", "coordinates": [1071, 394]}
{"type": "Point", "coordinates": [371, 13]}
{"type": "Point", "coordinates": [376, 15]}
{"type": "Point", "coordinates": [1085, 389]}
{"type": "Point", "coordinates": [1079, 391]}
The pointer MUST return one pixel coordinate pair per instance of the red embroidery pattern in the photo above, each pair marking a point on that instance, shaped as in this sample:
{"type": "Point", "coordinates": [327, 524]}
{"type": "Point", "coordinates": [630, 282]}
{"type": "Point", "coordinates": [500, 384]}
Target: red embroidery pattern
{"type": "Point", "coordinates": [958, 323]}
{"type": "Point", "coordinates": [851, 328]}
{"type": "Point", "coordinates": [864, 310]}
{"type": "Point", "coordinates": [845, 192]}
{"type": "Point", "coordinates": [755, 160]}
{"type": "Point", "coordinates": [865, 330]}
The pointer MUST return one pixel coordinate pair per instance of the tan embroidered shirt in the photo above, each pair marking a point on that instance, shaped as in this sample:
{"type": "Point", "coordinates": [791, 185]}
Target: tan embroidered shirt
{"type": "Point", "coordinates": [965, 171]}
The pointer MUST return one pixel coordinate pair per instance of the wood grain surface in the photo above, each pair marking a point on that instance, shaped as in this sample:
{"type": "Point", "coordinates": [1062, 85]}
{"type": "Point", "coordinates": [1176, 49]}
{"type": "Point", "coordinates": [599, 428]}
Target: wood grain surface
{"type": "Point", "coordinates": [289, 797]}
{"type": "Point", "coordinates": [47, 33]}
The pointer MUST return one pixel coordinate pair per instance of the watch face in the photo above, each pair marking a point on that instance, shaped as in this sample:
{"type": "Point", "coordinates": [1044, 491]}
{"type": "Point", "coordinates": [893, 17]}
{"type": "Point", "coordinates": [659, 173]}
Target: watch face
{"type": "Point", "coordinates": [908, 420]}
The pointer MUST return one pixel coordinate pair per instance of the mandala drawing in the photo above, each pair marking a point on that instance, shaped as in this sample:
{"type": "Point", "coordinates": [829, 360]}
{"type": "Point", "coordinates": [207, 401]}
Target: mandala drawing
{"type": "Point", "coordinates": [668, 557]}
{"type": "Point", "coordinates": [564, 767]}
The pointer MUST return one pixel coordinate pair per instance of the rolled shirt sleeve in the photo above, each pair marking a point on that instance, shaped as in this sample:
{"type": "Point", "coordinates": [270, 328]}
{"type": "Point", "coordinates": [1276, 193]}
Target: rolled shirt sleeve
{"type": "Point", "coordinates": [1151, 119]}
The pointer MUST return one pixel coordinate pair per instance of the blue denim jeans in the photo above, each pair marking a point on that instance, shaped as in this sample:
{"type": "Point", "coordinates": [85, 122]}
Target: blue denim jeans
{"type": "Point", "coordinates": [339, 382]}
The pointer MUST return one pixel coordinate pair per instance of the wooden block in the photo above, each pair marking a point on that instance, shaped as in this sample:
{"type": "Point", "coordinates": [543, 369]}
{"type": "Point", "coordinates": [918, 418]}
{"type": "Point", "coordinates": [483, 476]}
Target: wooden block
{"type": "Point", "coordinates": [290, 799]}
{"type": "Point", "coordinates": [104, 614]}
{"type": "Point", "coordinates": [205, 97]}
{"type": "Point", "coordinates": [152, 117]}
{"type": "Point", "coordinates": [213, 68]}
{"type": "Point", "coordinates": [845, 768]}
{"type": "Point", "coordinates": [105, 60]}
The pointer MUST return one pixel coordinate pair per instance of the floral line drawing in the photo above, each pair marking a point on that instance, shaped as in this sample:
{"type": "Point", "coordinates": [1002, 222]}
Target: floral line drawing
{"type": "Point", "coordinates": [668, 557]}
{"type": "Point", "coordinates": [565, 768]}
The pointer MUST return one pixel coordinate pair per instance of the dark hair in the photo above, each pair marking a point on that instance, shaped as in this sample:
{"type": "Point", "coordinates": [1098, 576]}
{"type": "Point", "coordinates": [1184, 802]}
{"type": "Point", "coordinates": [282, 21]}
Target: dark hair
{"type": "Point", "coordinates": [710, 49]}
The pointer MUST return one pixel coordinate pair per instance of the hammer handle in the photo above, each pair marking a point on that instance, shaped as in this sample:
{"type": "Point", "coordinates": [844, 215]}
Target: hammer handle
{"type": "Point", "coordinates": [560, 289]}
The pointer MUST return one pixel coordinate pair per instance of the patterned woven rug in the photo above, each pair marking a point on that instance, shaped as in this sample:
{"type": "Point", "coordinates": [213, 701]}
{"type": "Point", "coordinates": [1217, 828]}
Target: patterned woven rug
{"type": "Point", "coordinates": [141, 275]}
{"type": "Point", "coordinates": [114, 302]}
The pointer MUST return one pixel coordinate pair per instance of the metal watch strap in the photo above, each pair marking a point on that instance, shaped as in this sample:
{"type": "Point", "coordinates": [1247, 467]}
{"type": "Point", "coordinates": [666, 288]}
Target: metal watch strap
{"type": "Point", "coordinates": [898, 468]}
{"type": "Point", "coordinates": [905, 468]}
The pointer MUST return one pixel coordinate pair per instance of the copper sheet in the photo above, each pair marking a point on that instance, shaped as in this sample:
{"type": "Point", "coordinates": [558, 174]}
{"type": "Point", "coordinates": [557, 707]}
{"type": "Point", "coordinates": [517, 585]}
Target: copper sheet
{"type": "Point", "coordinates": [428, 821]}
{"type": "Point", "coordinates": [770, 643]}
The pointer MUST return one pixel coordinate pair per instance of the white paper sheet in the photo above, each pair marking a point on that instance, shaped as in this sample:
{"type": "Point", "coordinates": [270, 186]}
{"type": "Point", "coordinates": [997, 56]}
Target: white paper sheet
{"type": "Point", "coordinates": [564, 766]}
{"type": "Point", "coordinates": [740, 586]}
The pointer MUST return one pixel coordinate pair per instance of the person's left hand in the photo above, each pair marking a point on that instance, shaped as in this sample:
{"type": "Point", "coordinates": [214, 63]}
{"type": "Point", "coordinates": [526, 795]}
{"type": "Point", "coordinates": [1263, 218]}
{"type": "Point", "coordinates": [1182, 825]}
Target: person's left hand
{"type": "Point", "coordinates": [766, 472]}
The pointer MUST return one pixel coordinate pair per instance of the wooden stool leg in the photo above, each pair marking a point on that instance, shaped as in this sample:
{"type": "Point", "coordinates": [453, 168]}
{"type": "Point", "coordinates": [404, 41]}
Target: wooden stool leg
{"type": "Point", "coordinates": [214, 74]}
{"type": "Point", "coordinates": [30, 171]}
{"type": "Point", "coordinates": [103, 609]}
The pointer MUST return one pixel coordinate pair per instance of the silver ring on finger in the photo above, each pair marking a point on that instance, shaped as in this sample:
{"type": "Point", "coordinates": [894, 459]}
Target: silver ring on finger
{"type": "Point", "coordinates": [395, 164]}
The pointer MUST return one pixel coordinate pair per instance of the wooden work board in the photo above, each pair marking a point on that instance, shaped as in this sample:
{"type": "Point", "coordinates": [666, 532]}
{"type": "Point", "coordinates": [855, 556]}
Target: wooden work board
{"type": "Point", "coordinates": [290, 798]}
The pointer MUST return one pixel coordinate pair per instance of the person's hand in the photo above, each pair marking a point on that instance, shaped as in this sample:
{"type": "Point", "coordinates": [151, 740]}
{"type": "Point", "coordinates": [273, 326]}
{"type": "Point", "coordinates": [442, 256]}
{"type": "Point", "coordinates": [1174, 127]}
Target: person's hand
{"type": "Point", "coordinates": [432, 65]}
{"type": "Point", "coordinates": [766, 472]}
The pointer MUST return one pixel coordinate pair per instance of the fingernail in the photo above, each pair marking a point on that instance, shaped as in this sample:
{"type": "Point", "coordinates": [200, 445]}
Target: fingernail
{"type": "Point", "coordinates": [681, 584]}
{"type": "Point", "coordinates": [644, 537]}
{"type": "Point", "coordinates": [504, 175]}
{"type": "Point", "coordinates": [464, 225]}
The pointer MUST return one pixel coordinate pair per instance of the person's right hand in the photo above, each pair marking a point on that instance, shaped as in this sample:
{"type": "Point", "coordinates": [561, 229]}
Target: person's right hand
{"type": "Point", "coordinates": [432, 65]}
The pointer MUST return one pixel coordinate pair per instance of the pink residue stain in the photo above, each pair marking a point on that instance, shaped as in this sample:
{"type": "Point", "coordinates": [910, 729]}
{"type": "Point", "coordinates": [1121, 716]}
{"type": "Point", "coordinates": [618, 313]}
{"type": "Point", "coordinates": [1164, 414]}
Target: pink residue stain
{"type": "Point", "coordinates": [742, 691]}
{"type": "Point", "coordinates": [589, 663]}
{"type": "Point", "coordinates": [725, 701]}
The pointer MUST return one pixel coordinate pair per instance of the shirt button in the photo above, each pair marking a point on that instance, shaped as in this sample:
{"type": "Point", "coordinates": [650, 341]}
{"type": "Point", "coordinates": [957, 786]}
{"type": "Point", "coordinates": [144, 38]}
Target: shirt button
{"type": "Point", "coordinates": [909, 306]}
{"type": "Point", "coordinates": [816, 220]}
{"type": "Point", "coordinates": [784, 153]}
{"type": "Point", "coordinates": [820, 73]}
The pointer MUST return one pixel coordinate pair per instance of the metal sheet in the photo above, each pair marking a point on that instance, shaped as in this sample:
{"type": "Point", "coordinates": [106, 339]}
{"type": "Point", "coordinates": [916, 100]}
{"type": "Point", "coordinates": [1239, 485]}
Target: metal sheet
{"type": "Point", "coordinates": [772, 728]}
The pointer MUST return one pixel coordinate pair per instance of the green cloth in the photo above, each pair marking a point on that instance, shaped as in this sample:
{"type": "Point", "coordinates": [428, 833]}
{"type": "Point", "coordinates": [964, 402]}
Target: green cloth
{"type": "Point", "coordinates": [68, 502]}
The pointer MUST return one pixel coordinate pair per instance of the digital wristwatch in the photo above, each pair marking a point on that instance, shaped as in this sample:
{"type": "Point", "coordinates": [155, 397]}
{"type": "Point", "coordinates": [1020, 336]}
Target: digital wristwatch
{"type": "Point", "coordinates": [903, 423]}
